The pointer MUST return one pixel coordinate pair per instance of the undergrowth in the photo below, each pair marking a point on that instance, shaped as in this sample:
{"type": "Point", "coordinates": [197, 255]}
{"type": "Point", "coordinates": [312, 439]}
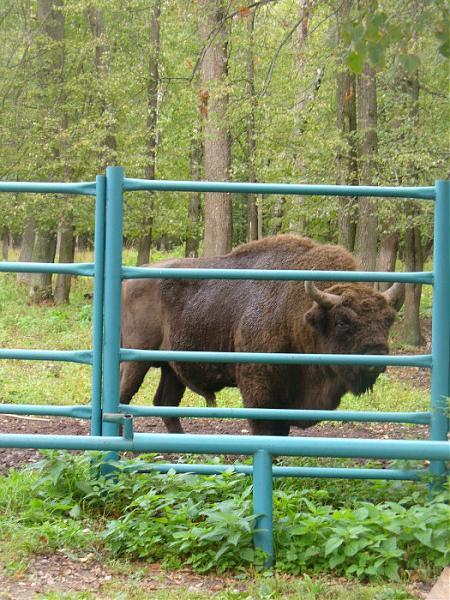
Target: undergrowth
{"type": "Point", "coordinates": [207, 522]}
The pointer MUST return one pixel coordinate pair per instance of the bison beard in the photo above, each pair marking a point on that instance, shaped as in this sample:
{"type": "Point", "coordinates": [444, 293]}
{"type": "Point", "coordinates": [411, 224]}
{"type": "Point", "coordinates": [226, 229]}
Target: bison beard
{"type": "Point", "coordinates": [258, 316]}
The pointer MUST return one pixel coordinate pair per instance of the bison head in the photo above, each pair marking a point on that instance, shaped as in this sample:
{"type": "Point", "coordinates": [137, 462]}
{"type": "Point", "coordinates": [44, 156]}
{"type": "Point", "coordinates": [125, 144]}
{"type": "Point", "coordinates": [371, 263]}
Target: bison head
{"type": "Point", "coordinates": [352, 319]}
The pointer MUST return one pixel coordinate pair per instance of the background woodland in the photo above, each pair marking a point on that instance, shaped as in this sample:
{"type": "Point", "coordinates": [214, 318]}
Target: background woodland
{"type": "Point", "coordinates": [295, 91]}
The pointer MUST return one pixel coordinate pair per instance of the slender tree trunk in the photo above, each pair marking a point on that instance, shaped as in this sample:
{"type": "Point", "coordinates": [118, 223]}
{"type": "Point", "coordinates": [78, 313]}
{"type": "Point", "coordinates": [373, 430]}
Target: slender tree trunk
{"type": "Point", "coordinates": [5, 243]}
{"type": "Point", "coordinates": [260, 217]}
{"type": "Point", "coordinates": [146, 237]}
{"type": "Point", "coordinates": [66, 255]}
{"type": "Point", "coordinates": [366, 232]}
{"type": "Point", "coordinates": [26, 249]}
{"type": "Point", "coordinates": [277, 215]}
{"type": "Point", "coordinates": [252, 211]}
{"type": "Point", "coordinates": [144, 245]}
{"type": "Point", "coordinates": [387, 255]}
{"type": "Point", "coordinates": [40, 288]}
{"type": "Point", "coordinates": [347, 152]}
{"type": "Point", "coordinates": [415, 252]}
{"type": "Point", "coordinates": [213, 107]}
{"type": "Point", "coordinates": [108, 153]}
{"type": "Point", "coordinates": [193, 233]}
{"type": "Point", "coordinates": [414, 261]}
{"type": "Point", "coordinates": [304, 13]}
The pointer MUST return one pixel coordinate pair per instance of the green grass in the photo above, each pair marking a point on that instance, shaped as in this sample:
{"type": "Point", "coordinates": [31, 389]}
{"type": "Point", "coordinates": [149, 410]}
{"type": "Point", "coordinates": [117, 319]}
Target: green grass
{"type": "Point", "coordinates": [266, 590]}
{"type": "Point", "coordinates": [273, 588]}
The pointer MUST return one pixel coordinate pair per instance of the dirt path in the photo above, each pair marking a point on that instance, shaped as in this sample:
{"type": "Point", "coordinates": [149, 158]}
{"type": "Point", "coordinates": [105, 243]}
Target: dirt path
{"type": "Point", "coordinates": [59, 574]}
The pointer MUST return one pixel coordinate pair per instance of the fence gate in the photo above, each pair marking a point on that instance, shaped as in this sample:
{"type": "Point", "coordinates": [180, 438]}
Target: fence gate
{"type": "Point", "coordinates": [112, 423]}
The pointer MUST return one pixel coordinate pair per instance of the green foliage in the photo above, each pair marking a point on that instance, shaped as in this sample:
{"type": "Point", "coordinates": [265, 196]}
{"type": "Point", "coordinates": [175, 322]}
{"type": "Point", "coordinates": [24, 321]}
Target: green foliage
{"type": "Point", "coordinates": [58, 118]}
{"type": "Point", "coordinates": [207, 521]}
{"type": "Point", "coordinates": [370, 541]}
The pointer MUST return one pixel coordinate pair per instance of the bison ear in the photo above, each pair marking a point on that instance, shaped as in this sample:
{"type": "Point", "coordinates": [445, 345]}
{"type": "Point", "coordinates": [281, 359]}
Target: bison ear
{"type": "Point", "coordinates": [316, 317]}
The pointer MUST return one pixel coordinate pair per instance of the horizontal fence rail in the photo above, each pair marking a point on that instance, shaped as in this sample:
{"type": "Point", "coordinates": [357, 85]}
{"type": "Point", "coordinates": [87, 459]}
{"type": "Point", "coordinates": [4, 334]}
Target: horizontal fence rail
{"type": "Point", "coordinates": [81, 269]}
{"type": "Point", "coordinates": [417, 418]}
{"type": "Point", "coordinates": [85, 412]}
{"type": "Point", "coordinates": [75, 356]}
{"type": "Point", "coordinates": [276, 358]}
{"type": "Point", "coordinates": [45, 410]}
{"type": "Point", "coordinates": [289, 189]}
{"type": "Point", "coordinates": [87, 188]}
{"type": "Point", "coordinates": [232, 444]}
{"type": "Point", "coordinates": [316, 472]}
{"type": "Point", "coordinates": [425, 277]}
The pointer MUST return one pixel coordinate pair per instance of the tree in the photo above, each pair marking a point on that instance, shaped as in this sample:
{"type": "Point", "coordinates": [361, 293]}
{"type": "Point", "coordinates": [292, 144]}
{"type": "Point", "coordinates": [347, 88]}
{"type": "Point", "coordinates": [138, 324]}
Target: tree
{"type": "Point", "coordinates": [145, 239]}
{"type": "Point", "coordinates": [252, 209]}
{"type": "Point", "coordinates": [51, 18]}
{"type": "Point", "coordinates": [193, 231]}
{"type": "Point", "coordinates": [213, 107]}
{"type": "Point", "coordinates": [346, 154]}
{"type": "Point", "coordinates": [366, 231]}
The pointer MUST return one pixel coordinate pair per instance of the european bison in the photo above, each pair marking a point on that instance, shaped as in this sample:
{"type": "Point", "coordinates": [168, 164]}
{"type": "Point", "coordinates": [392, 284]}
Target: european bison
{"type": "Point", "coordinates": [257, 316]}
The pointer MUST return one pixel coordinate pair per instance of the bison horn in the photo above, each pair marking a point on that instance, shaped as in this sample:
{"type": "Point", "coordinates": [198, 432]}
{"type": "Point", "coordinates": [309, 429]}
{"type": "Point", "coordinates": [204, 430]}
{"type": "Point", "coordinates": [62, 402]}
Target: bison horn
{"type": "Point", "coordinates": [395, 295]}
{"type": "Point", "coordinates": [324, 299]}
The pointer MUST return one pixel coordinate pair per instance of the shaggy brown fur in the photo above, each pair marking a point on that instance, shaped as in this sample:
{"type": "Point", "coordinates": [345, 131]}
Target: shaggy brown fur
{"type": "Point", "coordinates": [256, 316]}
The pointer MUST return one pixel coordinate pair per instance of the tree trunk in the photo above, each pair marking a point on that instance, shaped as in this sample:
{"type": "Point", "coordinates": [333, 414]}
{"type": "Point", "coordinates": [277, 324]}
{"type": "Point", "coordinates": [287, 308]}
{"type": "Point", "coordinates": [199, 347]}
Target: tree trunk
{"type": "Point", "coordinates": [277, 215]}
{"type": "Point", "coordinates": [146, 237]}
{"type": "Point", "coordinates": [252, 212]}
{"type": "Point", "coordinates": [346, 157]}
{"type": "Point", "coordinates": [144, 247]}
{"type": "Point", "coordinates": [5, 243]}
{"type": "Point", "coordinates": [66, 255]}
{"type": "Point", "coordinates": [213, 107]}
{"type": "Point", "coordinates": [44, 251]}
{"type": "Point", "coordinates": [260, 217]}
{"type": "Point", "coordinates": [415, 253]}
{"type": "Point", "coordinates": [387, 255]}
{"type": "Point", "coordinates": [300, 118]}
{"type": "Point", "coordinates": [108, 152]}
{"type": "Point", "coordinates": [26, 249]}
{"type": "Point", "coordinates": [414, 261]}
{"type": "Point", "coordinates": [193, 231]}
{"type": "Point", "coordinates": [366, 231]}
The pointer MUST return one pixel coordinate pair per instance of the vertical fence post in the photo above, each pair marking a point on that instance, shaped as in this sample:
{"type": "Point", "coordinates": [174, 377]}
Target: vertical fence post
{"type": "Point", "coordinates": [262, 503]}
{"type": "Point", "coordinates": [112, 297]}
{"type": "Point", "coordinates": [440, 381]}
{"type": "Point", "coordinates": [97, 327]}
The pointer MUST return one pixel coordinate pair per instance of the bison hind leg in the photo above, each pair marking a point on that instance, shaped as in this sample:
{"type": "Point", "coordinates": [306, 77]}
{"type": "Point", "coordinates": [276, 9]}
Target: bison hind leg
{"type": "Point", "coordinates": [210, 400]}
{"type": "Point", "coordinates": [169, 393]}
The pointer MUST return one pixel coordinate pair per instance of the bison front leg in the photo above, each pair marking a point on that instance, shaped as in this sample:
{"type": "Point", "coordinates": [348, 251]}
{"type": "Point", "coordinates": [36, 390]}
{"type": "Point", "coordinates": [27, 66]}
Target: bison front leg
{"type": "Point", "coordinates": [131, 376]}
{"type": "Point", "coordinates": [257, 392]}
{"type": "Point", "coordinates": [169, 393]}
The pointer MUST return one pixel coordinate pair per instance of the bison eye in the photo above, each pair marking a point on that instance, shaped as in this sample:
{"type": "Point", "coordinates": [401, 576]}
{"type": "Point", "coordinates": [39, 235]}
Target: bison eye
{"type": "Point", "coordinates": [342, 326]}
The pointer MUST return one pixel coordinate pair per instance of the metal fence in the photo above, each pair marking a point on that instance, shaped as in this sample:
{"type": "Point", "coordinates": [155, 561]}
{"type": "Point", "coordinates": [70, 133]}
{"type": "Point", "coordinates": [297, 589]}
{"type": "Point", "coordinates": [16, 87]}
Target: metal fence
{"type": "Point", "coordinates": [112, 423]}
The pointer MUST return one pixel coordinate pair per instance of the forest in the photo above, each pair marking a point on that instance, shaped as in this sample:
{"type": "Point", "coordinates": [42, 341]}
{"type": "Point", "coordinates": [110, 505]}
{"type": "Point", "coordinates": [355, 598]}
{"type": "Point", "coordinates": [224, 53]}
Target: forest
{"type": "Point", "coordinates": [294, 91]}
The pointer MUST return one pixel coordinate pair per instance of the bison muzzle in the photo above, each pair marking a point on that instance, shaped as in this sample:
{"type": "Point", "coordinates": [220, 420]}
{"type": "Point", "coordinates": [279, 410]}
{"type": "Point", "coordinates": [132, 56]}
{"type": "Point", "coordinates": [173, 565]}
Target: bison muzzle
{"type": "Point", "coordinates": [258, 316]}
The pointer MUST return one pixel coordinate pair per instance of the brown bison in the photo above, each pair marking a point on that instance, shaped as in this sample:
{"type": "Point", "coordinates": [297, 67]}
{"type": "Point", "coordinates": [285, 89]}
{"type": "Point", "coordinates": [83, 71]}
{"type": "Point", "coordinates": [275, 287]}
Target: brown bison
{"type": "Point", "coordinates": [257, 316]}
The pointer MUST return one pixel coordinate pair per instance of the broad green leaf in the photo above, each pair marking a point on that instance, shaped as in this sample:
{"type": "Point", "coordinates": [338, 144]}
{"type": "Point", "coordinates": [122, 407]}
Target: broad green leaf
{"type": "Point", "coordinates": [332, 544]}
{"type": "Point", "coordinates": [355, 61]}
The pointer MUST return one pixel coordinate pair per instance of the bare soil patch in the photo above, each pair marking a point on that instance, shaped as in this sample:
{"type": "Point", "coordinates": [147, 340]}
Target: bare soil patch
{"type": "Point", "coordinates": [57, 573]}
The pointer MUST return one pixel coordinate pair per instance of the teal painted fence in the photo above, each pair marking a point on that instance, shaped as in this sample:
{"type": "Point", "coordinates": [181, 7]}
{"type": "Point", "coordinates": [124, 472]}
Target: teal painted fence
{"type": "Point", "coordinates": [108, 417]}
